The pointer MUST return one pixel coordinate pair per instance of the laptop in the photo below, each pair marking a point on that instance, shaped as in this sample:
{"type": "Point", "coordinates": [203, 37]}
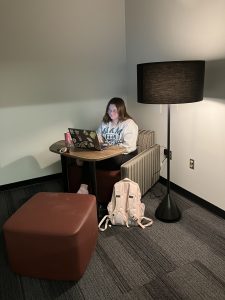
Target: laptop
{"type": "Point", "coordinates": [86, 139]}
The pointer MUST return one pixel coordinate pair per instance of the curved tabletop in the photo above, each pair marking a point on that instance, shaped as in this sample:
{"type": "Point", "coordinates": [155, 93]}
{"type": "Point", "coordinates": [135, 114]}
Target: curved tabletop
{"type": "Point", "coordinates": [89, 155]}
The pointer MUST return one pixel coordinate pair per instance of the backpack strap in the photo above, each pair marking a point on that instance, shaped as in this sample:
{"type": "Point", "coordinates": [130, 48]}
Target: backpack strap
{"type": "Point", "coordinates": [133, 201]}
{"type": "Point", "coordinates": [106, 217]}
{"type": "Point", "coordinates": [150, 222]}
{"type": "Point", "coordinates": [134, 191]}
{"type": "Point", "coordinates": [121, 201]}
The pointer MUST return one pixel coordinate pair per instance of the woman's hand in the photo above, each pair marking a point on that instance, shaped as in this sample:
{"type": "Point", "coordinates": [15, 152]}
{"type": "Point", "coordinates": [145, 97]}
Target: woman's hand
{"type": "Point", "coordinates": [100, 138]}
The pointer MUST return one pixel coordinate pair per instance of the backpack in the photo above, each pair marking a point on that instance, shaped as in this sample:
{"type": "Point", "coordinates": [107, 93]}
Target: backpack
{"type": "Point", "coordinates": [125, 207]}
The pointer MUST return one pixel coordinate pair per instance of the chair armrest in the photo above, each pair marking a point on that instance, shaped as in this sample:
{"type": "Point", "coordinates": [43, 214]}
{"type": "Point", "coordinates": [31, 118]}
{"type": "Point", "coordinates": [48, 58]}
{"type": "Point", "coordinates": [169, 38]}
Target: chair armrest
{"type": "Point", "coordinates": [144, 168]}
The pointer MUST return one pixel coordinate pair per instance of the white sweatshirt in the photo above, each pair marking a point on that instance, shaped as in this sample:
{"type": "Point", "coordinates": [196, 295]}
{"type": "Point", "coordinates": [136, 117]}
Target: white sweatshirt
{"type": "Point", "coordinates": [125, 134]}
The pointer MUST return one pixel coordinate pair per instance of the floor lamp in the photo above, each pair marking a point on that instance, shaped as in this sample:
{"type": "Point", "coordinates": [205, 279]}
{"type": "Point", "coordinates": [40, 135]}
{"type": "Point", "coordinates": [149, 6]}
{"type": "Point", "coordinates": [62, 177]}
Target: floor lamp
{"type": "Point", "coordinates": [171, 82]}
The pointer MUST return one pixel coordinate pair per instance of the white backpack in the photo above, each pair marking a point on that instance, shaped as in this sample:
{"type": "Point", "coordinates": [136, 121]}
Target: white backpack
{"type": "Point", "coordinates": [125, 207]}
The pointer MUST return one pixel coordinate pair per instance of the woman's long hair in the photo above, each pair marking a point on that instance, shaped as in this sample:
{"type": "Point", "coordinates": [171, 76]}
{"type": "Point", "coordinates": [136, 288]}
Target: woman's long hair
{"type": "Point", "coordinates": [121, 109]}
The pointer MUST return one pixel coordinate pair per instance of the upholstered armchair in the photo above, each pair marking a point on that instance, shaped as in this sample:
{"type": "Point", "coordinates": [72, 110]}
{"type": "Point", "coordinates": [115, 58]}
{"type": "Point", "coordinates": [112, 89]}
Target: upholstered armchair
{"type": "Point", "coordinates": [143, 168]}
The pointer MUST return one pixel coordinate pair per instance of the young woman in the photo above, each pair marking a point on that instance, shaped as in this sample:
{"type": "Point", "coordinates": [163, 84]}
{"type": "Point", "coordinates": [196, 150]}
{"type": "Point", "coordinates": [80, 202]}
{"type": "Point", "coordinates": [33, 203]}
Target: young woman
{"type": "Point", "coordinates": [116, 128]}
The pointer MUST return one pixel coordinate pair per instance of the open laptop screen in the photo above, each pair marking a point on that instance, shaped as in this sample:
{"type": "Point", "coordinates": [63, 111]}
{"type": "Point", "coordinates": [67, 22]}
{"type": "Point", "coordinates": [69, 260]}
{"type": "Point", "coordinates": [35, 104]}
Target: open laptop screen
{"type": "Point", "coordinates": [85, 139]}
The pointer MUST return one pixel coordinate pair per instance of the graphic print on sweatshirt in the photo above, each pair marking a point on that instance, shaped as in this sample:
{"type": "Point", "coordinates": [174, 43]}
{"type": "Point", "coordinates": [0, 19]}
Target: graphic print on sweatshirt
{"type": "Point", "coordinates": [112, 135]}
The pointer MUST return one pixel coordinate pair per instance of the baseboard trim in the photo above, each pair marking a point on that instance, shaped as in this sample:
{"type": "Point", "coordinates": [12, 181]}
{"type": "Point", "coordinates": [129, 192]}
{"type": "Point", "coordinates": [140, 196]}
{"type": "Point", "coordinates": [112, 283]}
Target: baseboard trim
{"type": "Point", "coordinates": [192, 197]}
{"type": "Point", "coordinates": [22, 183]}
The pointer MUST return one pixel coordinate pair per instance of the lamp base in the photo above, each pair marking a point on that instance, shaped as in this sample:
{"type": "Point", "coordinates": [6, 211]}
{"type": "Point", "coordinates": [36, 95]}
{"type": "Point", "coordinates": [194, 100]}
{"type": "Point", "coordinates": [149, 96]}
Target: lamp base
{"type": "Point", "coordinates": [167, 210]}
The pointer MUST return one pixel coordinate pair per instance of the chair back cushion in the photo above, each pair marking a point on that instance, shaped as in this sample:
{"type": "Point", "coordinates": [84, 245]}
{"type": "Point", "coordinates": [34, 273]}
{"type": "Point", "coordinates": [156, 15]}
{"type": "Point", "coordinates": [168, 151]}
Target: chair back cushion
{"type": "Point", "coordinates": [146, 139]}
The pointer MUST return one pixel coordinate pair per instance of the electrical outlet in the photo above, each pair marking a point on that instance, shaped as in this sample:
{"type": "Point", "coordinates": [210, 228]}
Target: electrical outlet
{"type": "Point", "coordinates": [166, 153]}
{"type": "Point", "coordinates": [191, 164]}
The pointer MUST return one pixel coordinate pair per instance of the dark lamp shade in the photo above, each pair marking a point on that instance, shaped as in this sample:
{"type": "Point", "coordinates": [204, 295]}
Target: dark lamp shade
{"type": "Point", "coordinates": [170, 82]}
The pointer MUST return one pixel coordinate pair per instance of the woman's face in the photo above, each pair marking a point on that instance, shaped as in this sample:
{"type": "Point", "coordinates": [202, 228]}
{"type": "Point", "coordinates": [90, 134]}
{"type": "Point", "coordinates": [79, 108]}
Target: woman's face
{"type": "Point", "coordinates": [113, 113]}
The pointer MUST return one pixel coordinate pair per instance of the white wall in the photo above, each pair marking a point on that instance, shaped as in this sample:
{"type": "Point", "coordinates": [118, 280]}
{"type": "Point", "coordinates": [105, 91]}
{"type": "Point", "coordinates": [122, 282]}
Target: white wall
{"type": "Point", "coordinates": [60, 62]}
{"type": "Point", "coordinates": [161, 30]}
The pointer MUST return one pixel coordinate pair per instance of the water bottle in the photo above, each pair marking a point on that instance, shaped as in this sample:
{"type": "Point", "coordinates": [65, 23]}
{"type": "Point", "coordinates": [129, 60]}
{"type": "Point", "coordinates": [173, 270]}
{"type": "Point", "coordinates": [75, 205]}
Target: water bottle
{"type": "Point", "coordinates": [68, 141]}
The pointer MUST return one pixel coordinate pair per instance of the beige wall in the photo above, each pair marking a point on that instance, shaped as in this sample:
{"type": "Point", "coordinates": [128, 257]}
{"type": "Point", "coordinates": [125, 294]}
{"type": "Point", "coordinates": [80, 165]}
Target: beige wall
{"type": "Point", "coordinates": [160, 30]}
{"type": "Point", "coordinates": [60, 62]}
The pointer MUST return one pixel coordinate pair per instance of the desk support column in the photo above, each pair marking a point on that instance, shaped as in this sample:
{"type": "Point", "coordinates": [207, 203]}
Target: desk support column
{"type": "Point", "coordinates": [92, 168]}
{"type": "Point", "coordinates": [64, 163]}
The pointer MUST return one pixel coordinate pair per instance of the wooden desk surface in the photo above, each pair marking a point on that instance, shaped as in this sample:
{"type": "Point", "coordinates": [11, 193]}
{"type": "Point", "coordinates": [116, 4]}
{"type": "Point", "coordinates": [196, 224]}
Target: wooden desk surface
{"type": "Point", "coordinates": [86, 154]}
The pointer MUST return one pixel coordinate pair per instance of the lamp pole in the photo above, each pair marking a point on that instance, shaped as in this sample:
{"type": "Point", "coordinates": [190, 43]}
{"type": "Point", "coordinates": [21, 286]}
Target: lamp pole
{"type": "Point", "coordinates": [167, 210]}
{"type": "Point", "coordinates": [168, 149]}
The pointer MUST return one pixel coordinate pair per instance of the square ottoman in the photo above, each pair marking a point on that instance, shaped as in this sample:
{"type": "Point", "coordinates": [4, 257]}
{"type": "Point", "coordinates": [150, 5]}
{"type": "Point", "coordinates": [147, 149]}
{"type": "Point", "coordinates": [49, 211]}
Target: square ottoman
{"type": "Point", "coordinates": [52, 236]}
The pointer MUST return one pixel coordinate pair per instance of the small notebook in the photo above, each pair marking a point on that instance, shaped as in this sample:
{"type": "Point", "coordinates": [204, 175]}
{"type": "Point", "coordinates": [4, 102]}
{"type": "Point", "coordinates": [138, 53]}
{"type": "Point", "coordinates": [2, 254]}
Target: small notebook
{"type": "Point", "coordinates": [86, 139]}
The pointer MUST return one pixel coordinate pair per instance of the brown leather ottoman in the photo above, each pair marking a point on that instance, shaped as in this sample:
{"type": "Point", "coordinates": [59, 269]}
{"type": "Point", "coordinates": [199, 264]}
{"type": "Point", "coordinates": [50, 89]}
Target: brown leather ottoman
{"type": "Point", "coordinates": [52, 236]}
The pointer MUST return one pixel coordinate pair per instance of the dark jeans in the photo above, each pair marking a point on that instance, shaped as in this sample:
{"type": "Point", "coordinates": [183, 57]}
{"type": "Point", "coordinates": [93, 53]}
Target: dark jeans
{"type": "Point", "coordinates": [110, 164]}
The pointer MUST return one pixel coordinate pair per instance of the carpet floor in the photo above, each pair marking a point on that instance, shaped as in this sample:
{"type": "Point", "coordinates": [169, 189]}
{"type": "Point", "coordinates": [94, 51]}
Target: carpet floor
{"type": "Point", "coordinates": [183, 260]}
